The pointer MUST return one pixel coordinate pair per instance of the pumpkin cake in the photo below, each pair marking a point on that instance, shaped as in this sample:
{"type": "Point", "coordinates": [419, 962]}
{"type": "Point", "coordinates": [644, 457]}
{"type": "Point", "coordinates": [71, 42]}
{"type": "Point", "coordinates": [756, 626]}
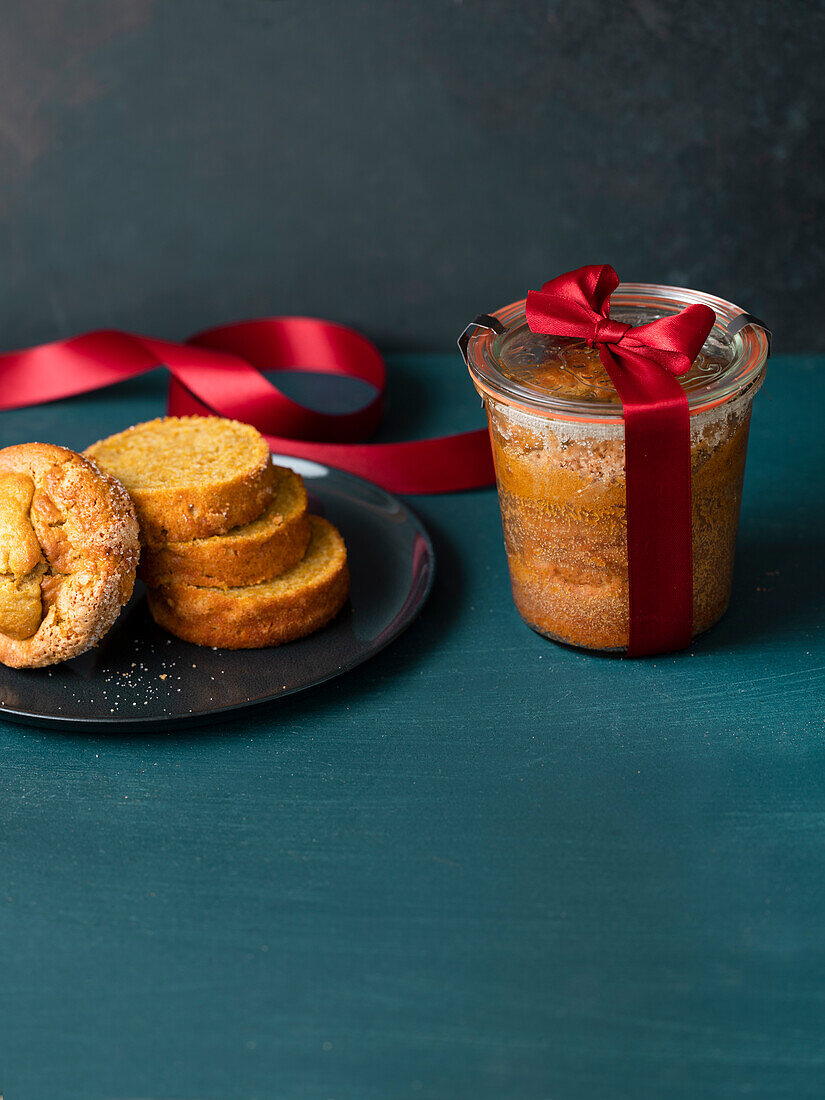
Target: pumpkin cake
{"type": "Point", "coordinates": [290, 606]}
{"type": "Point", "coordinates": [557, 430]}
{"type": "Point", "coordinates": [249, 554]}
{"type": "Point", "coordinates": [562, 491]}
{"type": "Point", "coordinates": [562, 496]}
{"type": "Point", "coordinates": [68, 552]}
{"type": "Point", "coordinates": [190, 477]}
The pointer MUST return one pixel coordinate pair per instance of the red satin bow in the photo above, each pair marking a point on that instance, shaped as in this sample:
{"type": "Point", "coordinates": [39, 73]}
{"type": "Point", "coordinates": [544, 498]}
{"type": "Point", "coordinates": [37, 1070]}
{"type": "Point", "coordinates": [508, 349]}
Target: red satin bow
{"type": "Point", "coordinates": [219, 373]}
{"type": "Point", "coordinates": [642, 363]}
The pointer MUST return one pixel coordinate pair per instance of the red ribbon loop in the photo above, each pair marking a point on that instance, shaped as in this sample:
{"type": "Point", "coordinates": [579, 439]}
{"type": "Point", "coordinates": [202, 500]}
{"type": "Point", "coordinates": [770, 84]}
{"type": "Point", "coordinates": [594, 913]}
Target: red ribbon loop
{"type": "Point", "coordinates": [218, 373]}
{"type": "Point", "coordinates": [642, 362]}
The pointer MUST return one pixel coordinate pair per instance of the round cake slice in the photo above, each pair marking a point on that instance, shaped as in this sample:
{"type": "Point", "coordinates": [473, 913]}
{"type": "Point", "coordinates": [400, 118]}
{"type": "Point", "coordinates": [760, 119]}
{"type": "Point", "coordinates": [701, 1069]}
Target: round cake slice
{"type": "Point", "coordinates": [291, 606]}
{"type": "Point", "coordinates": [190, 477]}
{"type": "Point", "coordinates": [255, 552]}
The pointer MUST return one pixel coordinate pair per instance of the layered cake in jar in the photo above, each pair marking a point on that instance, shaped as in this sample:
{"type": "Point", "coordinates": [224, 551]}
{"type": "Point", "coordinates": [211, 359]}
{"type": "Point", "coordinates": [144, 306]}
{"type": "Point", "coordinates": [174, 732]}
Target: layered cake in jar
{"type": "Point", "coordinates": [557, 434]}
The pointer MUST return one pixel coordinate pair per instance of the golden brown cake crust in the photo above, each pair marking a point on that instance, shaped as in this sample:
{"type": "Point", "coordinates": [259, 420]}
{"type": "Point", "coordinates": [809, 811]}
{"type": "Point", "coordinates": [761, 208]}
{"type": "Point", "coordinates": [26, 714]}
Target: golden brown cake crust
{"type": "Point", "coordinates": [87, 531]}
{"type": "Point", "coordinates": [281, 610]}
{"type": "Point", "coordinates": [190, 477]}
{"type": "Point", "coordinates": [255, 552]}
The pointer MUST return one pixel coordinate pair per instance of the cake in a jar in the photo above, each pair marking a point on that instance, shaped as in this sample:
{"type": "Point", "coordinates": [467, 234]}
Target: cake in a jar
{"type": "Point", "coordinates": [557, 433]}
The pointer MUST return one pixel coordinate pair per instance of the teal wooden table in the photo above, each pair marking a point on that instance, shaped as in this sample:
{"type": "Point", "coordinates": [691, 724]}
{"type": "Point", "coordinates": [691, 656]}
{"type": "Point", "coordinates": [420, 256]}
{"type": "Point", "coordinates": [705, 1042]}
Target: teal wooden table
{"type": "Point", "coordinates": [479, 866]}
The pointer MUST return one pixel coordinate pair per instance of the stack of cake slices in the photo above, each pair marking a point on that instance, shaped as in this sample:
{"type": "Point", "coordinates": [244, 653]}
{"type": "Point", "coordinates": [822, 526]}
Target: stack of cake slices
{"type": "Point", "coordinates": [230, 556]}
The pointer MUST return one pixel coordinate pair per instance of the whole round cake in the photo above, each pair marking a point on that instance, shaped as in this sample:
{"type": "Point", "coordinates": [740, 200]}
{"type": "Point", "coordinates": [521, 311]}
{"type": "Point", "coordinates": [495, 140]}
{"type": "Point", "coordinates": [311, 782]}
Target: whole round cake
{"type": "Point", "coordinates": [69, 549]}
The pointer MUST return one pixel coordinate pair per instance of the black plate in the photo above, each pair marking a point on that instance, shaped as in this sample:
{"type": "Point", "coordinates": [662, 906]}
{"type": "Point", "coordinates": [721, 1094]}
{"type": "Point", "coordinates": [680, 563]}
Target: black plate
{"type": "Point", "coordinates": [142, 677]}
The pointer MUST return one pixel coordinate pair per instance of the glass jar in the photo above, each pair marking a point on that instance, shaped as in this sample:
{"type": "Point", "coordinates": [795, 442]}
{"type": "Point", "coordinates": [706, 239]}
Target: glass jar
{"type": "Point", "coordinates": [557, 434]}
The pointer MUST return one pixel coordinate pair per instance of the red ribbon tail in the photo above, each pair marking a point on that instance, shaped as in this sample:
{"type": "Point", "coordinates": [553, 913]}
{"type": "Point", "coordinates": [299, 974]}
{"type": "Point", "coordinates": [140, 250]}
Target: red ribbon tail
{"type": "Point", "coordinates": [658, 505]}
{"type": "Point", "coordinates": [220, 373]}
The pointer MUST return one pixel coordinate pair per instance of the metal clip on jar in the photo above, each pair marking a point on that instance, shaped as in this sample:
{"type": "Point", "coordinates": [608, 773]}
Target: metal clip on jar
{"type": "Point", "coordinates": [557, 433]}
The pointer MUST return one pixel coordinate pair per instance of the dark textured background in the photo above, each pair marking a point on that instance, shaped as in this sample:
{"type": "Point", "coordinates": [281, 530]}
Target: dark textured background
{"type": "Point", "coordinates": [401, 166]}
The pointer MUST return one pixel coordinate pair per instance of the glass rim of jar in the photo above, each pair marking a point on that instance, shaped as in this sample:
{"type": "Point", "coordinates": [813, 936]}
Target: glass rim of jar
{"type": "Point", "coordinates": [750, 349]}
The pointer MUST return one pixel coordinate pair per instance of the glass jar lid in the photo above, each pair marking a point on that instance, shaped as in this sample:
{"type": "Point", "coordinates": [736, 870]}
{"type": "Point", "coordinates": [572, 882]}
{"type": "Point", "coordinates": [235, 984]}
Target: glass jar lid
{"type": "Point", "coordinates": [564, 377]}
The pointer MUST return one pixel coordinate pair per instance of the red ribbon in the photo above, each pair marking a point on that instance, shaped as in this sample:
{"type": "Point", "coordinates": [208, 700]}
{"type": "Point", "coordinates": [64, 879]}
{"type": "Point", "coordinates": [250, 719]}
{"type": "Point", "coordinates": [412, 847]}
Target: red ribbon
{"type": "Point", "coordinates": [219, 373]}
{"type": "Point", "coordinates": [643, 363]}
